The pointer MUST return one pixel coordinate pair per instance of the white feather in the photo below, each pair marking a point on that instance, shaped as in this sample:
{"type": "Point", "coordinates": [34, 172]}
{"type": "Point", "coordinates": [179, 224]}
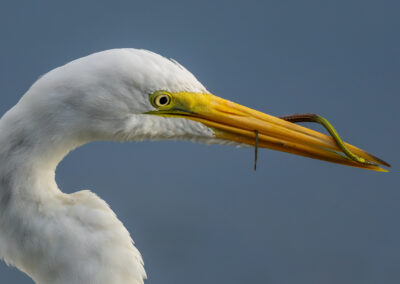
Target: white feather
{"type": "Point", "coordinates": [59, 238]}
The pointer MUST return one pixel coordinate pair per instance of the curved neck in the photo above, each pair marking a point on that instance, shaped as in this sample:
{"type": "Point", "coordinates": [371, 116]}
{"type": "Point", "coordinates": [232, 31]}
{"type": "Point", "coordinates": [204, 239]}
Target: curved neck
{"type": "Point", "coordinates": [29, 156]}
{"type": "Point", "coordinates": [48, 234]}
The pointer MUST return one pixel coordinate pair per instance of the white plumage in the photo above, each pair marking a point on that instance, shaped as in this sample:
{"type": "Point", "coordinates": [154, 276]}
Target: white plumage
{"type": "Point", "coordinates": [59, 238]}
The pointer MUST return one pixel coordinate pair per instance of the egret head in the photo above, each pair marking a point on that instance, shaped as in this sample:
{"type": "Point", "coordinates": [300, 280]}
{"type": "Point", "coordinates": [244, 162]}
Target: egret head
{"type": "Point", "coordinates": [129, 94]}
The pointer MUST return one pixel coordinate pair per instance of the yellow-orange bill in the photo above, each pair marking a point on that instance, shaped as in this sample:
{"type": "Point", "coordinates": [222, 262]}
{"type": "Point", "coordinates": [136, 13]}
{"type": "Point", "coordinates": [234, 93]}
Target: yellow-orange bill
{"type": "Point", "coordinates": [233, 122]}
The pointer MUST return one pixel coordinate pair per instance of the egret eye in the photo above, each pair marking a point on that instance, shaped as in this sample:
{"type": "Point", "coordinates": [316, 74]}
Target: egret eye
{"type": "Point", "coordinates": [162, 100]}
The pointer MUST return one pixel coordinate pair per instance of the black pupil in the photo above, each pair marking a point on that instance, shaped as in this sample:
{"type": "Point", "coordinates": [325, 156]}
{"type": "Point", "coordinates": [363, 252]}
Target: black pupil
{"type": "Point", "coordinates": [163, 100]}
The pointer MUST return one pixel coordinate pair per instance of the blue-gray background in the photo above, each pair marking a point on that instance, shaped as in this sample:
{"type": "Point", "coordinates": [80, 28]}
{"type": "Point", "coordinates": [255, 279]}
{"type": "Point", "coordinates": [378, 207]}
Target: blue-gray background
{"type": "Point", "coordinates": [199, 214]}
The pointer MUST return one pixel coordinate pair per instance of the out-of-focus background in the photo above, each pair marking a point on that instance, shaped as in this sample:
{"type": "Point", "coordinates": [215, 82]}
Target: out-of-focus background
{"type": "Point", "coordinates": [200, 214]}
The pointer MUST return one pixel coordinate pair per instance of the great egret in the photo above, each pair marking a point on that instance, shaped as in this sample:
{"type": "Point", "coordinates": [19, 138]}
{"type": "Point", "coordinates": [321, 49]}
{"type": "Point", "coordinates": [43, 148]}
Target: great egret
{"type": "Point", "coordinates": [124, 95]}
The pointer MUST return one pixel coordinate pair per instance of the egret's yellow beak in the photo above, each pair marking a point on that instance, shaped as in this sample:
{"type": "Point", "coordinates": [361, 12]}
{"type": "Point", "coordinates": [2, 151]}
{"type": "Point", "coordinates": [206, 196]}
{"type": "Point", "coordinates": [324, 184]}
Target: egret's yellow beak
{"type": "Point", "coordinates": [231, 121]}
